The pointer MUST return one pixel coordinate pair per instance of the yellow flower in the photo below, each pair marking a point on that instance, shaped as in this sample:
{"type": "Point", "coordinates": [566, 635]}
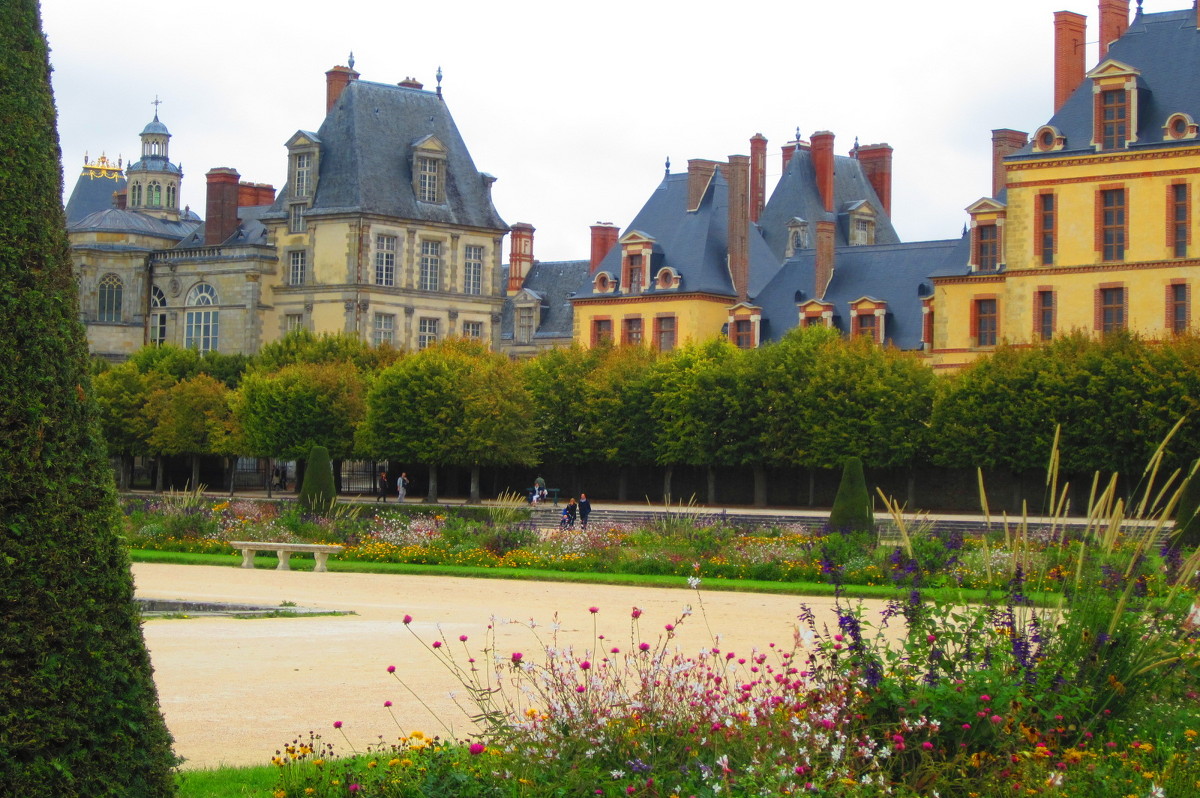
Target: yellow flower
{"type": "Point", "coordinates": [281, 794]}
{"type": "Point", "coordinates": [1190, 734]}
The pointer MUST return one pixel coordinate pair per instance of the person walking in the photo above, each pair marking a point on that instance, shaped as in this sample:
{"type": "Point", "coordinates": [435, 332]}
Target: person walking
{"type": "Point", "coordinates": [585, 509]}
{"type": "Point", "coordinates": [402, 486]}
{"type": "Point", "coordinates": [568, 514]}
{"type": "Point", "coordinates": [383, 488]}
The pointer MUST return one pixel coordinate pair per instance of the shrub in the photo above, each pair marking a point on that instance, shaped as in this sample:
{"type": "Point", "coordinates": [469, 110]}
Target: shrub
{"type": "Point", "coordinates": [1187, 523]}
{"type": "Point", "coordinates": [318, 492]}
{"type": "Point", "coordinates": [852, 505]}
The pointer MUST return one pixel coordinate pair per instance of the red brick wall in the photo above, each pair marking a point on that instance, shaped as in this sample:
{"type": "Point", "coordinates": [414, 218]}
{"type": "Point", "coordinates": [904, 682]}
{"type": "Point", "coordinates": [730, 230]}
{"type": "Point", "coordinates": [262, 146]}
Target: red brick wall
{"type": "Point", "coordinates": [1069, 54]}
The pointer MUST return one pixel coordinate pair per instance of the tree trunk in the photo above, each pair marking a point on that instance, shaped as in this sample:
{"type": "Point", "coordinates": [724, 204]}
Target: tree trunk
{"type": "Point", "coordinates": [667, 483]}
{"type": "Point", "coordinates": [812, 487]}
{"type": "Point", "coordinates": [760, 485]}
{"type": "Point", "coordinates": [432, 496]}
{"type": "Point", "coordinates": [195, 486]}
{"type": "Point", "coordinates": [474, 497]}
{"type": "Point", "coordinates": [270, 475]}
{"type": "Point", "coordinates": [232, 474]}
{"type": "Point", "coordinates": [158, 474]}
{"type": "Point", "coordinates": [712, 486]}
{"type": "Point", "coordinates": [126, 471]}
{"type": "Point", "coordinates": [912, 486]}
{"type": "Point", "coordinates": [623, 484]}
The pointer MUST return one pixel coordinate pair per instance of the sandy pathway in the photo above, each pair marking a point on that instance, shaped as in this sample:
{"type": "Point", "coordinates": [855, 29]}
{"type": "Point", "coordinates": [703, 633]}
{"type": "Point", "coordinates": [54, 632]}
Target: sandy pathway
{"type": "Point", "coordinates": [234, 690]}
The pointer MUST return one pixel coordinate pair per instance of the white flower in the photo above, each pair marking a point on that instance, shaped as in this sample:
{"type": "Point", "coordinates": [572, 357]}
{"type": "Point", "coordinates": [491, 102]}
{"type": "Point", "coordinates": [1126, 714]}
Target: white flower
{"type": "Point", "coordinates": [618, 774]}
{"type": "Point", "coordinates": [694, 582]}
{"type": "Point", "coordinates": [1156, 792]}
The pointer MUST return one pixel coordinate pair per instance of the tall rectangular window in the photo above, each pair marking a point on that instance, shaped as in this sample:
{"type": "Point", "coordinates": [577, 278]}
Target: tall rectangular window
{"type": "Point", "coordinates": [427, 333]}
{"type": "Point", "coordinates": [302, 174]}
{"type": "Point", "coordinates": [631, 331]}
{"type": "Point", "coordinates": [385, 260]}
{"type": "Point", "coordinates": [1114, 111]}
{"type": "Point", "coordinates": [1178, 312]}
{"type": "Point", "coordinates": [473, 270]}
{"type": "Point", "coordinates": [1046, 228]}
{"type": "Point", "coordinates": [602, 331]}
{"type": "Point", "coordinates": [385, 329]}
{"type": "Point", "coordinates": [1179, 214]}
{"type": "Point", "coordinates": [987, 247]}
{"type": "Point", "coordinates": [473, 330]}
{"type": "Point", "coordinates": [1112, 229]}
{"type": "Point", "coordinates": [429, 184]}
{"type": "Point", "coordinates": [158, 328]}
{"type": "Point", "coordinates": [431, 265]}
{"type": "Point", "coordinates": [524, 325]}
{"type": "Point", "coordinates": [298, 262]}
{"type": "Point", "coordinates": [296, 218]}
{"type": "Point", "coordinates": [200, 330]}
{"type": "Point", "coordinates": [864, 326]}
{"type": "Point", "coordinates": [1043, 314]}
{"type": "Point", "coordinates": [634, 271]}
{"type": "Point", "coordinates": [664, 333]}
{"type": "Point", "coordinates": [109, 298]}
{"type": "Point", "coordinates": [293, 322]}
{"type": "Point", "coordinates": [1112, 309]}
{"type": "Point", "coordinates": [986, 322]}
{"type": "Point", "coordinates": [743, 334]}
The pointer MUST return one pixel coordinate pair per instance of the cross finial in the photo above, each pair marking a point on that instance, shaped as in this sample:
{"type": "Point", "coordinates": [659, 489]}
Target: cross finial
{"type": "Point", "coordinates": [156, 102]}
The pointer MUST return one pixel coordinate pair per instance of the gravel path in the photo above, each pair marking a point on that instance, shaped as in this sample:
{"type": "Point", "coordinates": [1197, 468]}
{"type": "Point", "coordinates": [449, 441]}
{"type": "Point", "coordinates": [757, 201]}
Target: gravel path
{"type": "Point", "coordinates": [235, 690]}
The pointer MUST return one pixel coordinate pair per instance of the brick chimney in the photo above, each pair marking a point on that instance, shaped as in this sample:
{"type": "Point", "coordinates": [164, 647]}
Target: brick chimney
{"type": "Point", "coordinates": [336, 81]}
{"type": "Point", "coordinates": [789, 150]}
{"type": "Point", "coordinates": [1004, 143]}
{"type": "Point", "coordinates": [604, 238]}
{"type": "Point", "coordinates": [822, 156]}
{"type": "Point", "coordinates": [1114, 19]}
{"type": "Point", "coordinates": [700, 172]}
{"type": "Point", "coordinates": [823, 272]}
{"type": "Point", "coordinates": [1069, 54]}
{"type": "Point", "coordinates": [520, 255]}
{"type": "Point", "coordinates": [737, 174]}
{"type": "Point", "coordinates": [251, 194]}
{"type": "Point", "coordinates": [758, 175]}
{"type": "Point", "coordinates": [221, 210]}
{"type": "Point", "coordinates": [411, 83]}
{"type": "Point", "coordinates": [876, 163]}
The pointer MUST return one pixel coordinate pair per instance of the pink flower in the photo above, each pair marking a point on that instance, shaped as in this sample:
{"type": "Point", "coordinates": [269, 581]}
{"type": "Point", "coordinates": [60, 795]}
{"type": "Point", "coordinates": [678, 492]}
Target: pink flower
{"type": "Point", "coordinates": [391, 668]}
{"type": "Point", "coordinates": [985, 697]}
{"type": "Point", "coordinates": [838, 638]}
{"type": "Point", "coordinates": [354, 787]}
{"type": "Point", "coordinates": [636, 613]}
{"type": "Point", "coordinates": [387, 703]}
{"type": "Point", "coordinates": [477, 748]}
{"type": "Point", "coordinates": [407, 620]}
{"type": "Point", "coordinates": [897, 738]}
{"type": "Point", "coordinates": [583, 666]}
{"type": "Point", "coordinates": [966, 725]}
{"type": "Point", "coordinates": [928, 746]}
{"type": "Point", "coordinates": [615, 650]}
{"type": "Point", "coordinates": [643, 647]}
{"type": "Point", "coordinates": [579, 688]}
{"type": "Point", "coordinates": [996, 719]}
{"type": "Point", "coordinates": [930, 638]}
{"type": "Point", "coordinates": [593, 610]}
{"type": "Point", "coordinates": [516, 657]}
{"type": "Point", "coordinates": [462, 638]}
{"type": "Point", "coordinates": [437, 643]}
{"type": "Point", "coordinates": [670, 627]}
{"type": "Point", "coordinates": [337, 724]}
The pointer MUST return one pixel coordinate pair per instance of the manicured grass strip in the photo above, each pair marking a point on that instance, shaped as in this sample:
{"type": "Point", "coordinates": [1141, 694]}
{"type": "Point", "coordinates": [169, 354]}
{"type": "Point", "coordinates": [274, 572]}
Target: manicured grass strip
{"type": "Point", "coordinates": [230, 782]}
{"type": "Point", "coordinates": [708, 584]}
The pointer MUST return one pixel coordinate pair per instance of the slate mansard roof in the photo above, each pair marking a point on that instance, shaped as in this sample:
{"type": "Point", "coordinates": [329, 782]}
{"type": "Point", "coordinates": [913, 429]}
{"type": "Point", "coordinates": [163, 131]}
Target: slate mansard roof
{"type": "Point", "coordinates": [1165, 48]}
{"type": "Point", "coordinates": [93, 192]}
{"type": "Point", "coordinates": [693, 243]}
{"type": "Point", "coordinates": [555, 283]}
{"type": "Point", "coordinates": [797, 195]}
{"type": "Point", "coordinates": [366, 158]}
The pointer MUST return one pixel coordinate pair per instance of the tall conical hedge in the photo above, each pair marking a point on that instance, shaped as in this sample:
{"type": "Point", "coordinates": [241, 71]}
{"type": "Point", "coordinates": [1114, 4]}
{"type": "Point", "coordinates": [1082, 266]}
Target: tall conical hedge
{"type": "Point", "coordinates": [318, 492]}
{"type": "Point", "coordinates": [79, 711]}
{"type": "Point", "coordinates": [852, 511]}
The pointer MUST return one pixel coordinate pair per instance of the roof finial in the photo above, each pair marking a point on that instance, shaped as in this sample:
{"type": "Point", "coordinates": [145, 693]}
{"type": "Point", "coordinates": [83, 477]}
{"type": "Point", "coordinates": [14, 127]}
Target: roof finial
{"type": "Point", "coordinates": [797, 133]}
{"type": "Point", "coordinates": [668, 166]}
{"type": "Point", "coordinates": [1138, 13]}
{"type": "Point", "coordinates": [350, 60]}
{"type": "Point", "coordinates": [439, 81]}
{"type": "Point", "coordinates": [856, 143]}
{"type": "Point", "coordinates": [156, 102]}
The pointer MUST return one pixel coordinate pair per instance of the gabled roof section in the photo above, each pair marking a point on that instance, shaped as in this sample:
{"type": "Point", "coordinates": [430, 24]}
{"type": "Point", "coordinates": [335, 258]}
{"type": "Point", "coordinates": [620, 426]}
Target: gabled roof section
{"type": "Point", "coordinates": [796, 195]}
{"type": "Point", "coordinates": [554, 283]}
{"type": "Point", "coordinates": [1163, 50]}
{"type": "Point", "coordinates": [693, 243]}
{"type": "Point", "coordinates": [367, 144]}
{"type": "Point", "coordinates": [302, 138]}
{"type": "Point", "coordinates": [986, 205]}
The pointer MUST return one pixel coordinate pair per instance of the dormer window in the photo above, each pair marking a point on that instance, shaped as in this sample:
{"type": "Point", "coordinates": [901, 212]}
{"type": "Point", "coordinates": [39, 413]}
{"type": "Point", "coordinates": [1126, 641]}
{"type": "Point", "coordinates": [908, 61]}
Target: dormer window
{"type": "Point", "coordinates": [633, 267]}
{"type": "Point", "coordinates": [637, 249]}
{"type": "Point", "coordinates": [302, 174]}
{"type": "Point", "coordinates": [666, 279]}
{"type": "Point", "coordinates": [429, 179]}
{"type": "Point", "coordinates": [987, 235]}
{"type": "Point", "coordinates": [1114, 128]}
{"type": "Point", "coordinates": [867, 319]}
{"type": "Point", "coordinates": [1180, 127]}
{"type": "Point", "coordinates": [862, 225]}
{"type": "Point", "coordinates": [603, 283]}
{"type": "Point", "coordinates": [1048, 139]}
{"type": "Point", "coordinates": [1115, 111]}
{"type": "Point", "coordinates": [797, 237]}
{"type": "Point", "coordinates": [303, 157]}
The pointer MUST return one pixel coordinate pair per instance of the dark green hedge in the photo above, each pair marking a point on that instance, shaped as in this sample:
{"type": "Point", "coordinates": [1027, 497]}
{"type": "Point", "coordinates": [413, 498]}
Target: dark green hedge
{"type": "Point", "coordinates": [78, 707]}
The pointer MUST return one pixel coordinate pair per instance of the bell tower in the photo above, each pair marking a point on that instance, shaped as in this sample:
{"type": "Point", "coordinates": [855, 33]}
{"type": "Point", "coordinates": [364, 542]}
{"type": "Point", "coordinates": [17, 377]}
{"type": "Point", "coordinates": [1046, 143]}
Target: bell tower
{"type": "Point", "coordinates": [153, 181]}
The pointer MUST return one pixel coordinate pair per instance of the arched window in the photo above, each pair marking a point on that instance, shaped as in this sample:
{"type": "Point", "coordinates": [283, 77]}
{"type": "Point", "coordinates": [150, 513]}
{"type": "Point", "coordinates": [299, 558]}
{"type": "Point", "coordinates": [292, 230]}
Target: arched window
{"type": "Point", "coordinates": [201, 321]}
{"type": "Point", "coordinates": [170, 195]}
{"type": "Point", "coordinates": [154, 195]}
{"type": "Point", "coordinates": [158, 319]}
{"type": "Point", "coordinates": [109, 308]}
{"type": "Point", "coordinates": [135, 195]}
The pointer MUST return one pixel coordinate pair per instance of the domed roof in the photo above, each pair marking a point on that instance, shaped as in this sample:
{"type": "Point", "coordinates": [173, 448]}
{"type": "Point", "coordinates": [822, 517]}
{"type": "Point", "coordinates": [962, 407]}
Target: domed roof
{"type": "Point", "coordinates": [156, 127]}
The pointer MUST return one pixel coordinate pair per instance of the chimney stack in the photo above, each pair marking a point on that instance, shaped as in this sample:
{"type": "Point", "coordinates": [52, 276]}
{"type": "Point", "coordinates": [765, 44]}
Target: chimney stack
{"type": "Point", "coordinates": [1004, 143]}
{"type": "Point", "coordinates": [738, 234]}
{"type": "Point", "coordinates": [221, 210]}
{"type": "Point", "coordinates": [823, 271]}
{"type": "Point", "coordinates": [822, 156]}
{"type": "Point", "coordinates": [1114, 19]}
{"type": "Point", "coordinates": [876, 163]}
{"type": "Point", "coordinates": [604, 238]}
{"type": "Point", "coordinates": [336, 81]}
{"type": "Point", "coordinates": [700, 172]}
{"type": "Point", "coordinates": [758, 175]}
{"type": "Point", "coordinates": [1069, 55]}
{"type": "Point", "coordinates": [252, 194]}
{"type": "Point", "coordinates": [520, 255]}
{"type": "Point", "coordinates": [120, 198]}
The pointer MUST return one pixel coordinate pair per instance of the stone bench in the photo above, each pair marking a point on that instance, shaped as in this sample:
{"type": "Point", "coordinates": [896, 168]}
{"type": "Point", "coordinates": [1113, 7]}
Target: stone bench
{"type": "Point", "coordinates": [284, 551]}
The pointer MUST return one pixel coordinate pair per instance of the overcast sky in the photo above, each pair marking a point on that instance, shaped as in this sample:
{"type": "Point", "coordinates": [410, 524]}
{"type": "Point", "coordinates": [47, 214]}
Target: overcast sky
{"type": "Point", "coordinates": [575, 107]}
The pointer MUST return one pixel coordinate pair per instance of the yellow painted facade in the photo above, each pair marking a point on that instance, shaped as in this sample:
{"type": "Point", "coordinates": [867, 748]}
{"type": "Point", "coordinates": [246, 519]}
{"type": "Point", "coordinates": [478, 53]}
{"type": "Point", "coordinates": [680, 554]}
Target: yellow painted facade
{"type": "Point", "coordinates": [696, 317]}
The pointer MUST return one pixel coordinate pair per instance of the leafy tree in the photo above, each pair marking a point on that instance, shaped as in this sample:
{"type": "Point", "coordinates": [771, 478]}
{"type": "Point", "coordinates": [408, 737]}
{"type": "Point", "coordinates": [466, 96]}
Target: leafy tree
{"type": "Point", "coordinates": [318, 491]}
{"type": "Point", "coordinates": [618, 413]}
{"type": "Point", "coordinates": [451, 404]}
{"type": "Point", "coordinates": [174, 361]}
{"type": "Point", "coordinates": [190, 417]}
{"type": "Point", "coordinates": [302, 346]}
{"type": "Point", "coordinates": [557, 383]}
{"type": "Point", "coordinates": [121, 393]}
{"type": "Point", "coordinates": [852, 508]}
{"type": "Point", "coordinates": [78, 707]}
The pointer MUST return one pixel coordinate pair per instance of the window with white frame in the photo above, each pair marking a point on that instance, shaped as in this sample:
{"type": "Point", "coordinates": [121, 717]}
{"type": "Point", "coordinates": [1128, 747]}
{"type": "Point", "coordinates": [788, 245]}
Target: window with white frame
{"type": "Point", "coordinates": [293, 322]}
{"type": "Point", "coordinates": [431, 265]}
{"type": "Point", "coordinates": [302, 174]}
{"type": "Point", "coordinates": [429, 179]}
{"type": "Point", "coordinates": [427, 333]}
{"type": "Point", "coordinates": [158, 319]}
{"type": "Point", "coordinates": [524, 325]}
{"type": "Point", "coordinates": [297, 267]}
{"type": "Point", "coordinates": [385, 260]}
{"type": "Point", "coordinates": [109, 293]}
{"type": "Point", "coordinates": [296, 222]}
{"type": "Point", "coordinates": [385, 329]}
{"type": "Point", "coordinates": [473, 330]}
{"type": "Point", "coordinates": [201, 331]}
{"type": "Point", "coordinates": [473, 270]}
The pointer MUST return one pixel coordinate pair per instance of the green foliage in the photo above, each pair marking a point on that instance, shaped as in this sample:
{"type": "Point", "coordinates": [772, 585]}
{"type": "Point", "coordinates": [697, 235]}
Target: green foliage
{"type": "Point", "coordinates": [78, 707]}
{"type": "Point", "coordinates": [1187, 522]}
{"type": "Point", "coordinates": [318, 492]}
{"type": "Point", "coordinates": [303, 347]}
{"type": "Point", "coordinates": [852, 507]}
{"type": "Point", "coordinates": [287, 412]}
